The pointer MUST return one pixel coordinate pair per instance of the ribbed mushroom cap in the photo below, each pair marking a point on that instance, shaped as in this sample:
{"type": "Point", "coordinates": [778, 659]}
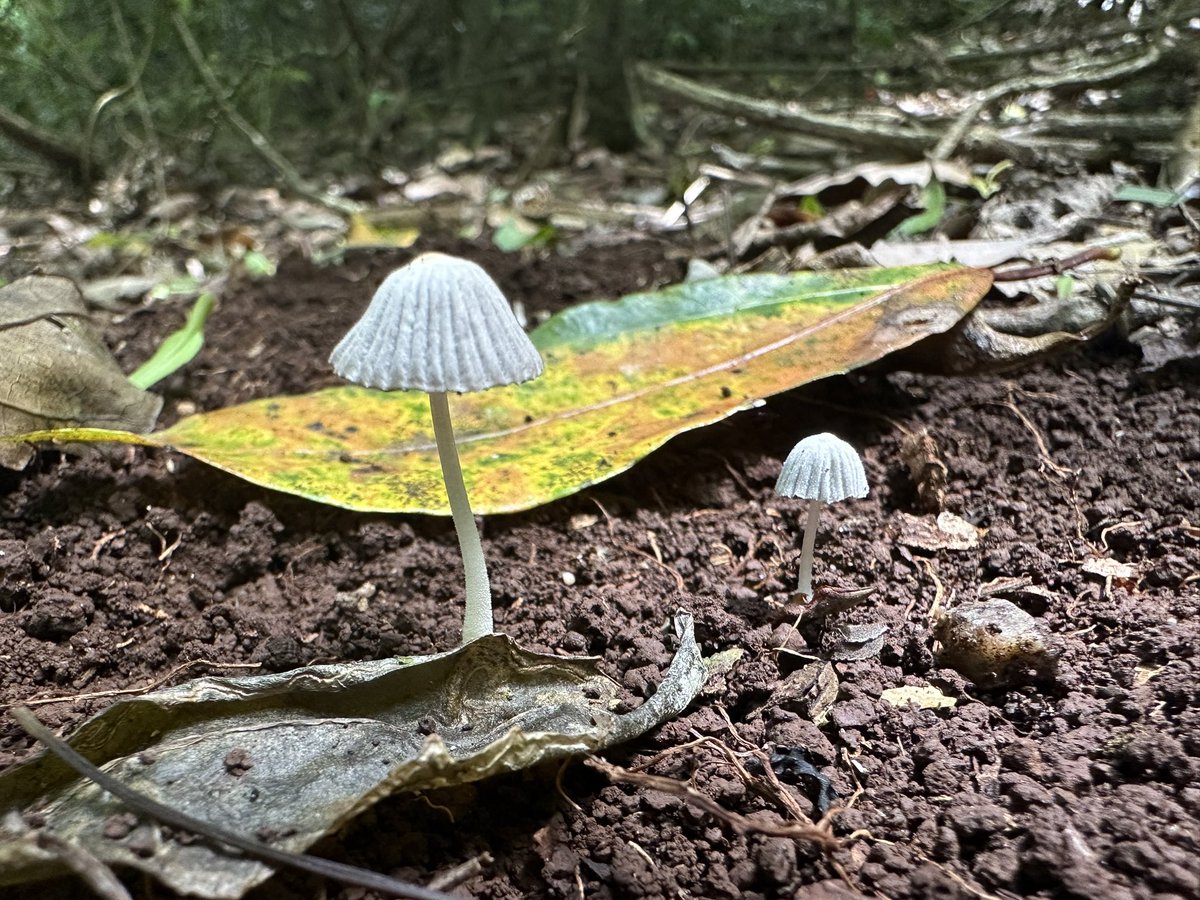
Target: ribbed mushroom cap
{"type": "Point", "coordinates": [822, 467]}
{"type": "Point", "coordinates": [437, 324]}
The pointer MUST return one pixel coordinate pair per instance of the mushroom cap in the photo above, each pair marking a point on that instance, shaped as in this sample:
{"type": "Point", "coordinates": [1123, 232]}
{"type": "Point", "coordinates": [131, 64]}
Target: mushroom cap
{"type": "Point", "coordinates": [822, 467]}
{"type": "Point", "coordinates": [439, 323]}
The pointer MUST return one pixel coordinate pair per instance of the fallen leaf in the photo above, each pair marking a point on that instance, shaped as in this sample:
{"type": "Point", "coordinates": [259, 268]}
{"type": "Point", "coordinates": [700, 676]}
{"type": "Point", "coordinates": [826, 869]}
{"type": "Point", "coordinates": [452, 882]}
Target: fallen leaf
{"type": "Point", "coordinates": [946, 532]}
{"type": "Point", "coordinates": [809, 691]}
{"type": "Point", "coordinates": [57, 373]}
{"type": "Point", "coordinates": [984, 254]}
{"type": "Point", "coordinates": [875, 174]}
{"type": "Point", "coordinates": [923, 459]}
{"type": "Point", "coordinates": [1123, 574]}
{"type": "Point", "coordinates": [323, 744]}
{"type": "Point", "coordinates": [924, 696]}
{"type": "Point", "coordinates": [621, 379]}
{"type": "Point", "coordinates": [854, 642]}
{"type": "Point", "coordinates": [1144, 673]}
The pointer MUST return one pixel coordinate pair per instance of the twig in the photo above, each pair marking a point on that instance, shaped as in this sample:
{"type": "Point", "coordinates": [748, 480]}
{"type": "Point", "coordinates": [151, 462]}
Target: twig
{"type": "Point", "coordinates": [464, 871]}
{"type": "Point", "coordinates": [1043, 451]}
{"type": "Point", "coordinates": [139, 96]}
{"type": "Point", "coordinates": [1107, 70]}
{"type": "Point", "coordinates": [1057, 267]}
{"type": "Point", "coordinates": [95, 874]}
{"type": "Point", "coordinates": [790, 116]}
{"type": "Point", "coordinates": [140, 803]}
{"type": "Point", "coordinates": [817, 834]}
{"type": "Point", "coordinates": [118, 692]}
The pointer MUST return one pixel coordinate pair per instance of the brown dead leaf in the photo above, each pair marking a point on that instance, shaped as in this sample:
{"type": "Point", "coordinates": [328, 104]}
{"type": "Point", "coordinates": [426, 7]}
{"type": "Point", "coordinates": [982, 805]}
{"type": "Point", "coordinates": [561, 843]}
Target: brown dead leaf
{"type": "Point", "coordinates": [947, 532]}
{"type": "Point", "coordinates": [810, 691]}
{"type": "Point", "coordinates": [57, 373]}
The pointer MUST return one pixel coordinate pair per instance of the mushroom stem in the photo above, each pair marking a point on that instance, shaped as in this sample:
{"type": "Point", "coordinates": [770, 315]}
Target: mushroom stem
{"type": "Point", "coordinates": [806, 547]}
{"type": "Point", "coordinates": [477, 620]}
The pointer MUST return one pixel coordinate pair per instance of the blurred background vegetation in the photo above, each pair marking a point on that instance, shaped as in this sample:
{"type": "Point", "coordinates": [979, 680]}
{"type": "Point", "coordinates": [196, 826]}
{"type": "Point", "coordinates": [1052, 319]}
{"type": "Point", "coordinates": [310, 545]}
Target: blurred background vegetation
{"type": "Point", "coordinates": [154, 91]}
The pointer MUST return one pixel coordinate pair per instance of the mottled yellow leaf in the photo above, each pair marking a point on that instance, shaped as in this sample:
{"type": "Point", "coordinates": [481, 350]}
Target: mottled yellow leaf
{"type": "Point", "coordinates": [621, 379]}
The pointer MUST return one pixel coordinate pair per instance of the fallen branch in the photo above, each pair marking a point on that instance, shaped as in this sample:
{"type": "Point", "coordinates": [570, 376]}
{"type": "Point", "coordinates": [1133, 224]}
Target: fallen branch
{"type": "Point", "coordinates": [897, 135]}
{"type": "Point", "coordinates": [820, 835]}
{"type": "Point", "coordinates": [874, 129]}
{"type": "Point", "coordinates": [1089, 73]}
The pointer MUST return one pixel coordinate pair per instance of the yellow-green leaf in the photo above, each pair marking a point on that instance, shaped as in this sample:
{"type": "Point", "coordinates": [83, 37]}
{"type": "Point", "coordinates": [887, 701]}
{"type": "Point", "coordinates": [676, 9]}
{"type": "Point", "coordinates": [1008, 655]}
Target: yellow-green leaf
{"type": "Point", "coordinates": [621, 379]}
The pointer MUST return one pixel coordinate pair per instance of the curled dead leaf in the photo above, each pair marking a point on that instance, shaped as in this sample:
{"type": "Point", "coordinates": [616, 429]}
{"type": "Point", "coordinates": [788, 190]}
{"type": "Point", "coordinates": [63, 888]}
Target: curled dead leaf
{"type": "Point", "coordinates": [56, 372]}
{"type": "Point", "coordinates": [326, 742]}
{"type": "Point", "coordinates": [946, 532]}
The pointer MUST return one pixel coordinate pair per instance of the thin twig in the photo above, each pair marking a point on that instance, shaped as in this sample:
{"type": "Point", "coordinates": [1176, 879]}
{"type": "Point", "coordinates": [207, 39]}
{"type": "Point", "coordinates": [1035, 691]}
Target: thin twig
{"type": "Point", "coordinates": [817, 834]}
{"type": "Point", "coordinates": [1043, 451]}
{"type": "Point", "coordinates": [95, 874]}
{"type": "Point", "coordinates": [96, 695]}
{"type": "Point", "coordinates": [464, 871]}
{"type": "Point", "coordinates": [1086, 74]}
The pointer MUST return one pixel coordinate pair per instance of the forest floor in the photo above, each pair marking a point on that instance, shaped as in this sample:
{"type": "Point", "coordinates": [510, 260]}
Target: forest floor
{"type": "Point", "coordinates": [127, 567]}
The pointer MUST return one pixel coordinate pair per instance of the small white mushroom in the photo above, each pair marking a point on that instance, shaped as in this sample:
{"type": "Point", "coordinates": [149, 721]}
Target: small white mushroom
{"type": "Point", "coordinates": [820, 469]}
{"type": "Point", "coordinates": [441, 324]}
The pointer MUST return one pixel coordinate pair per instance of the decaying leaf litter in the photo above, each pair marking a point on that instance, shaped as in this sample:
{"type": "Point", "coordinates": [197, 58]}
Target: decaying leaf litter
{"type": "Point", "coordinates": [1050, 512]}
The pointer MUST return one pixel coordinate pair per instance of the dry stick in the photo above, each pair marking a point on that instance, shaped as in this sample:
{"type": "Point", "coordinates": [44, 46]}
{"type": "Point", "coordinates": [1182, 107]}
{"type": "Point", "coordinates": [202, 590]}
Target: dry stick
{"type": "Point", "coordinates": [464, 871]}
{"type": "Point", "coordinates": [96, 695]}
{"type": "Point", "coordinates": [138, 802]}
{"type": "Point", "coordinates": [739, 823]}
{"type": "Point", "coordinates": [95, 874]}
{"type": "Point", "coordinates": [1057, 267]}
{"type": "Point", "coordinates": [291, 177]}
{"type": "Point", "coordinates": [1085, 74]}
{"type": "Point", "coordinates": [789, 116]}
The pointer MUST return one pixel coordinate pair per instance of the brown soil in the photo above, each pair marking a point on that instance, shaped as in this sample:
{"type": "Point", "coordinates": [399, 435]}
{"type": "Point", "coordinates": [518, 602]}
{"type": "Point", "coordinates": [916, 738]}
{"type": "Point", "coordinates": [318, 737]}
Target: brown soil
{"type": "Point", "coordinates": [127, 567]}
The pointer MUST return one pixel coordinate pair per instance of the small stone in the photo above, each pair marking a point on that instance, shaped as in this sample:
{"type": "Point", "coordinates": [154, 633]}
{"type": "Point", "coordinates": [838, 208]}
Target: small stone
{"type": "Point", "coordinates": [994, 642]}
{"type": "Point", "coordinates": [237, 762]}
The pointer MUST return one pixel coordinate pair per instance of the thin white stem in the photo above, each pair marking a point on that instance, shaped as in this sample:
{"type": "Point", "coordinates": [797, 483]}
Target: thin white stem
{"type": "Point", "coordinates": [477, 619]}
{"type": "Point", "coordinates": [806, 548]}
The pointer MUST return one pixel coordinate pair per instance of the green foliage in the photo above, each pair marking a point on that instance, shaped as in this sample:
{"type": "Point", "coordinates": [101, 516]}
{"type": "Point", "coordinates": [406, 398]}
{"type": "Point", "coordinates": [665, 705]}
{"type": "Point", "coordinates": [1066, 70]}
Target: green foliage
{"type": "Point", "coordinates": [1154, 196]}
{"type": "Point", "coordinates": [178, 349]}
{"type": "Point", "coordinates": [933, 202]}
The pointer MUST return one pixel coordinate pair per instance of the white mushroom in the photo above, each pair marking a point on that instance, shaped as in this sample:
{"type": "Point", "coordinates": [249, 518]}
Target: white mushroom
{"type": "Point", "coordinates": [820, 469]}
{"type": "Point", "coordinates": [441, 324]}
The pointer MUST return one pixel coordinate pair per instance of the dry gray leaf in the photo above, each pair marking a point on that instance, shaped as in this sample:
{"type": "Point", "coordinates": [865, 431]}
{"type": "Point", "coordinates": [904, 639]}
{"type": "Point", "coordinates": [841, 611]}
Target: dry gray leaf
{"type": "Point", "coordinates": [56, 372]}
{"type": "Point", "coordinates": [923, 695]}
{"type": "Point", "coordinates": [853, 642]}
{"type": "Point", "coordinates": [299, 754]}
